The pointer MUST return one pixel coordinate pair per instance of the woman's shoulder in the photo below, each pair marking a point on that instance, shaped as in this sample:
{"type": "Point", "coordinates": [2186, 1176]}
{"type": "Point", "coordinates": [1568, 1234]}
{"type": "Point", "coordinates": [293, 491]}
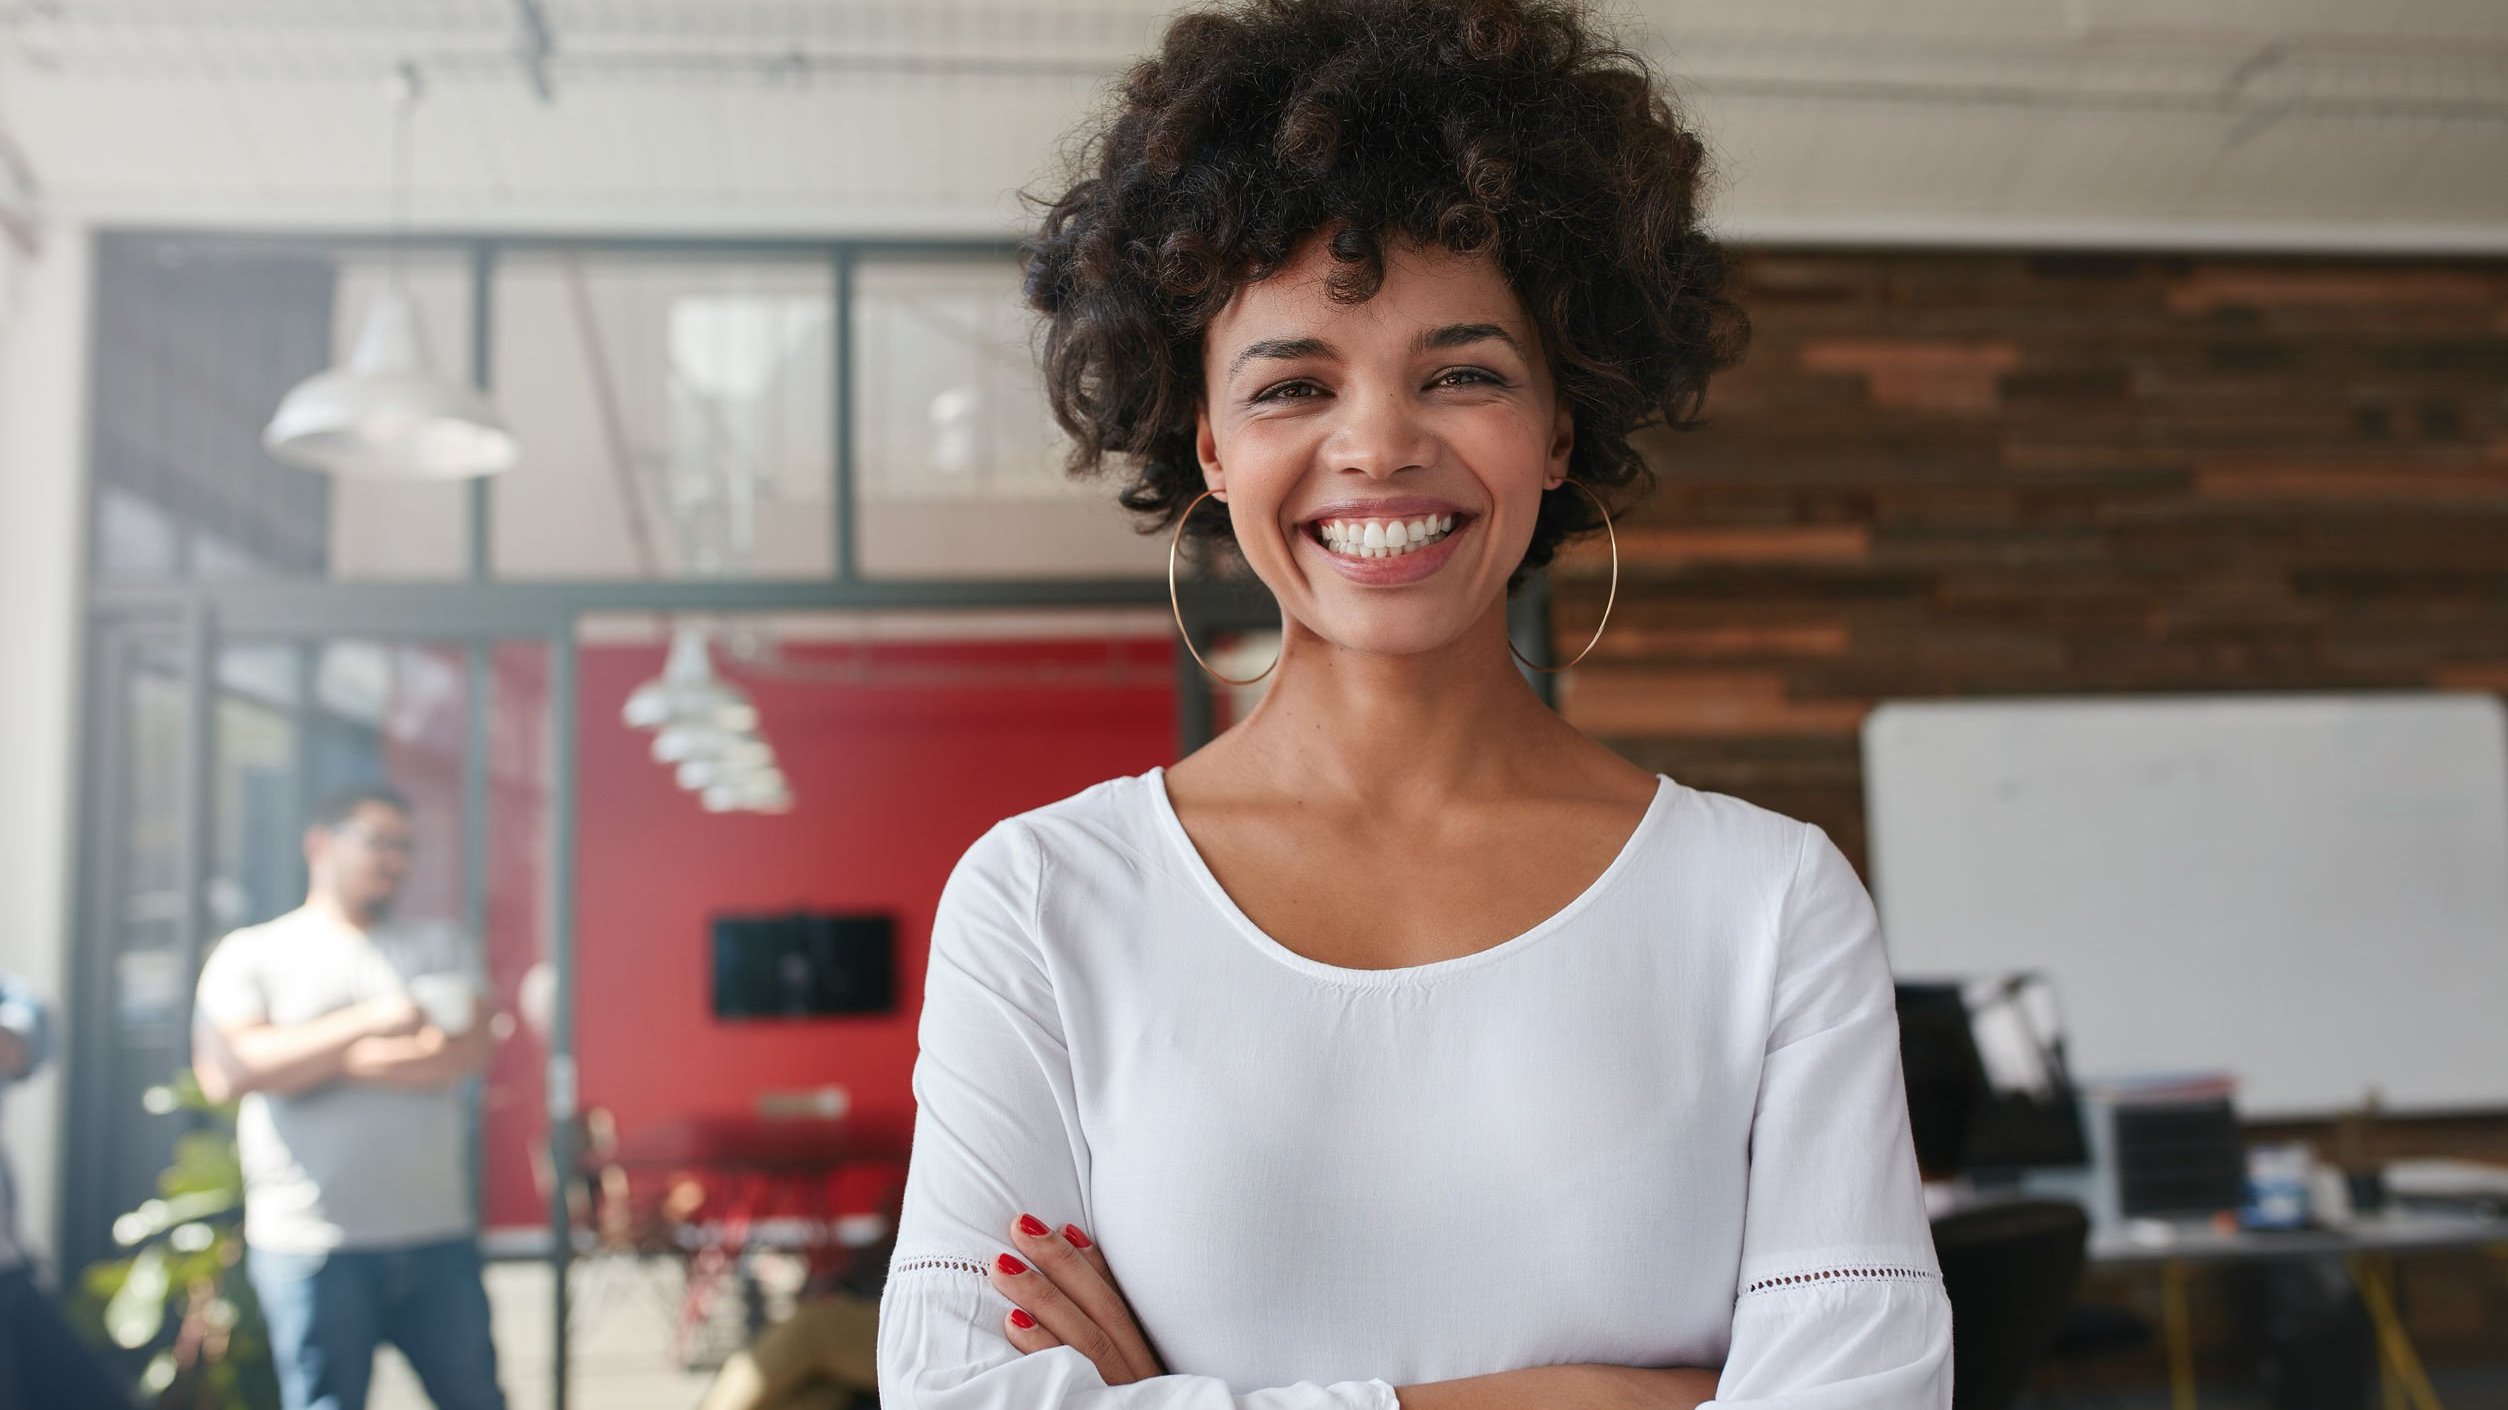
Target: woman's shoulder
{"type": "Point", "coordinates": [1111, 813]}
{"type": "Point", "coordinates": [1101, 836]}
{"type": "Point", "coordinates": [1685, 825]}
{"type": "Point", "coordinates": [1726, 831]}
{"type": "Point", "coordinates": [1770, 872]}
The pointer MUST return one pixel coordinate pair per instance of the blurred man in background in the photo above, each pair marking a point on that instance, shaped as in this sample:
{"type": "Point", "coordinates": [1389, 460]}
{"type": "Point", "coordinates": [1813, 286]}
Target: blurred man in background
{"type": "Point", "coordinates": [347, 1034]}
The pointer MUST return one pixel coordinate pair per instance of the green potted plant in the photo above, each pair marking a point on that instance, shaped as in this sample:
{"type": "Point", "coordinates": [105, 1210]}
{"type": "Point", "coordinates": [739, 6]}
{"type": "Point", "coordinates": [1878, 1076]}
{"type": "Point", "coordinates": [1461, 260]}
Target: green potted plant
{"type": "Point", "coordinates": [181, 1294]}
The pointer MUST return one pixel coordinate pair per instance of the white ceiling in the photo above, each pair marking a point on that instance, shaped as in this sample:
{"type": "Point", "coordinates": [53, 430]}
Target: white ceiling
{"type": "Point", "coordinates": [2265, 123]}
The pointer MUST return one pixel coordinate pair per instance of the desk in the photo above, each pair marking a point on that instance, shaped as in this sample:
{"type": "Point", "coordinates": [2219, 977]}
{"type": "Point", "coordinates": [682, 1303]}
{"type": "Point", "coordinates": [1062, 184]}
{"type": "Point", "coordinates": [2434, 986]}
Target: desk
{"type": "Point", "coordinates": [755, 1173]}
{"type": "Point", "coordinates": [2367, 1246]}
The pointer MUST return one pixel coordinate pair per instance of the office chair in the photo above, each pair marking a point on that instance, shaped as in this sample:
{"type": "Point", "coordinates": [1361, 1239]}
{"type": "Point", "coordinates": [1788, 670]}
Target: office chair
{"type": "Point", "coordinates": [2011, 1269]}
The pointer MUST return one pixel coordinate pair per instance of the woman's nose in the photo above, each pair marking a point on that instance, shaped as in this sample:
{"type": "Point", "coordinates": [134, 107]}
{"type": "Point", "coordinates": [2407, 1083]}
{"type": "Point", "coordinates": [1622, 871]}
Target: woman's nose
{"type": "Point", "coordinates": [1379, 434]}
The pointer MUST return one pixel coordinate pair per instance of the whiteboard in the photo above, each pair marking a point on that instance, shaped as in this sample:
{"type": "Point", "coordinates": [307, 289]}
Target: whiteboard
{"type": "Point", "coordinates": [2310, 891]}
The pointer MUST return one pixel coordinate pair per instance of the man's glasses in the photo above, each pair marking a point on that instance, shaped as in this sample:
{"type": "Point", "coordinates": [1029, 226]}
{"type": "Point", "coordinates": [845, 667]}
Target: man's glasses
{"type": "Point", "coordinates": [393, 843]}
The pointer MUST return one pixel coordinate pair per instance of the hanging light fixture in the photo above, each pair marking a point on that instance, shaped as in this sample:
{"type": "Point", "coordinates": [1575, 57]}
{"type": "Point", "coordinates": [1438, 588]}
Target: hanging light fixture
{"type": "Point", "coordinates": [689, 694]}
{"type": "Point", "coordinates": [705, 729]}
{"type": "Point", "coordinates": [680, 744]}
{"type": "Point", "coordinates": [699, 774]}
{"type": "Point", "coordinates": [764, 793]}
{"type": "Point", "coordinates": [385, 414]}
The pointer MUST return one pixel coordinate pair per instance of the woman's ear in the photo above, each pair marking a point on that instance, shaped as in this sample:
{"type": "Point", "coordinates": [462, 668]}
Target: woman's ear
{"type": "Point", "coordinates": [1562, 444]}
{"type": "Point", "coordinates": [1206, 450]}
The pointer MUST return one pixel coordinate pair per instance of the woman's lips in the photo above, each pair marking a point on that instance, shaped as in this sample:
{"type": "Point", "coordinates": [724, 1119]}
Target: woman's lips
{"type": "Point", "coordinates": [1393, 572]}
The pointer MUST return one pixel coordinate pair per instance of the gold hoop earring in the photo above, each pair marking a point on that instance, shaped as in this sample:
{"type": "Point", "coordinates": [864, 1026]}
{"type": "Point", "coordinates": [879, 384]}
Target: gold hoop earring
{"type": "Point", "coordinates": [1175, 546]}
{"type": "Point", "coordinates": [1612, 597]}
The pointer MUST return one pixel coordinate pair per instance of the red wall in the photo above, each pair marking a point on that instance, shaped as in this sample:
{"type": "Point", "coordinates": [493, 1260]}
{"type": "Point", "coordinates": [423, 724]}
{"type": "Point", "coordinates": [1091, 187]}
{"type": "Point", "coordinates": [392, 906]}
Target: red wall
{"type": "Point", "coordinates": [890, 781]}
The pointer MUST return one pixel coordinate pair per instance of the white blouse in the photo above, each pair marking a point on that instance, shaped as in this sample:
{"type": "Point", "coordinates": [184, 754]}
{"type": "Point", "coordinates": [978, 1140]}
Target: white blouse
{"type": "Point", "coordinates": [1664, 1127]}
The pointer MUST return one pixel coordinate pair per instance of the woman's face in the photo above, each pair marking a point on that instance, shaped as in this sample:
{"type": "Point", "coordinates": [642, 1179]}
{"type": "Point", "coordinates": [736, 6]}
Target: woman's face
{"type": "Point", "coordinates": [1382, 462]}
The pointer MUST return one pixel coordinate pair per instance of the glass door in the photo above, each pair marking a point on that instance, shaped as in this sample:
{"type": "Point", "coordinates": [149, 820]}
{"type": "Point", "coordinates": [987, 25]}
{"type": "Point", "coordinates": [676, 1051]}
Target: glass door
{"type": "Point", "coordinates": [211, 753]}
{"type": "Point", "coordinates": [461, 730]}
{"type": "Point", "coordinates": [138, 934]}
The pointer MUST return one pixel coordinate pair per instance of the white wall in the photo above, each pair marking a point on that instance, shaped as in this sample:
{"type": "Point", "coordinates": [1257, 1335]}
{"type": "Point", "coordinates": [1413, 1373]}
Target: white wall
{"type": "Point", "coordinates": [43, 399]}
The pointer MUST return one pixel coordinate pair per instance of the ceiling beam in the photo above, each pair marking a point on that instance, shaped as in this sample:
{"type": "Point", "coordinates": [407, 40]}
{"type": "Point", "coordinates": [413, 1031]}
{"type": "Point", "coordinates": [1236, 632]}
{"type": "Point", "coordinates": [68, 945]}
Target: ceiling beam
{"type": "Point", "coordinates": [537, 45]}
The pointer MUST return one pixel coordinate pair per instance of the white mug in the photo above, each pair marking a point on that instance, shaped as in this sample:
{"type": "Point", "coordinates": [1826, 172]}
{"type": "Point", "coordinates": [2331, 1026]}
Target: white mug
{"type": "Point", "coordinates": [448, 1000]}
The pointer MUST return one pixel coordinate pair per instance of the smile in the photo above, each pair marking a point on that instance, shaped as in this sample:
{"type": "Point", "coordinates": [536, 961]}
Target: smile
{"type": "Point", "coordinates": [1382, 538]}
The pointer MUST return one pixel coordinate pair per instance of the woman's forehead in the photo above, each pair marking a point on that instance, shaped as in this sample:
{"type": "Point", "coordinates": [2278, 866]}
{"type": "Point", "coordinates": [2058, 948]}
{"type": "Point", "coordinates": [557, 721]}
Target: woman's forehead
{"type": "Point", "coordinates": [1425, 286]}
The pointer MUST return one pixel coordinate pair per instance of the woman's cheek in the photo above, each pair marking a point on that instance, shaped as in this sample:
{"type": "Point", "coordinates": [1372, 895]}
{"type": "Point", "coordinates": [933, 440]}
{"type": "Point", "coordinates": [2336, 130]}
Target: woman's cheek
{"type": "Point", "coordinates": [1502, 435]}
{"type": "Point", "coordinates": [1266, 443]}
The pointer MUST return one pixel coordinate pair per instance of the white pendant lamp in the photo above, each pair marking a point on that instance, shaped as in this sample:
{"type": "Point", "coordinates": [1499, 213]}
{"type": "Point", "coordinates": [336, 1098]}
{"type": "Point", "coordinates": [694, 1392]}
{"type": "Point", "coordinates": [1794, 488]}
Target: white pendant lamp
{"type": "Point", "coordinates": [678, 744]}
{"type": "Point", "coordinates": [689, 693]}
{"type": "Point", "coordinates": [705, 728]}
{"type": "Point", "coordinates": [767, 794]}
{"type": "Point", "coordinates": [385, 414]}
{"type": "Point", "coordinates": [703, 773]}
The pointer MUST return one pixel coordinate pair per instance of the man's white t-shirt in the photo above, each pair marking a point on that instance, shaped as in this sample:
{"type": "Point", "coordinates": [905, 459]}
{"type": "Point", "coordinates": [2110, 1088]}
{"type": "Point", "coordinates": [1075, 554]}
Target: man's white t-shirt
{"type": "Point", "coordinates": [1664, 1127]}
{"type": "Point", "coordinates": [348, 1165]}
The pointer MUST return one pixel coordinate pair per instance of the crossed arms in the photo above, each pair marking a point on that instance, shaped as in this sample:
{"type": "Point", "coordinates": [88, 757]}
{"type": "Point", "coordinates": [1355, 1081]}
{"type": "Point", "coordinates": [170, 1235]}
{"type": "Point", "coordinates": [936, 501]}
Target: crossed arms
{"type": "Point", "coordinates": [385, 1041]}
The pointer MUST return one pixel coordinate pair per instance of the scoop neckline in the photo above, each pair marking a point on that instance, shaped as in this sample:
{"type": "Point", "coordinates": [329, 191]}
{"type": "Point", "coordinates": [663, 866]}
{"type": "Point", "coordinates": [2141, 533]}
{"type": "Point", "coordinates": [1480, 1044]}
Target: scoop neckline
{"type": "Point", "coordinates": [1171, 824]}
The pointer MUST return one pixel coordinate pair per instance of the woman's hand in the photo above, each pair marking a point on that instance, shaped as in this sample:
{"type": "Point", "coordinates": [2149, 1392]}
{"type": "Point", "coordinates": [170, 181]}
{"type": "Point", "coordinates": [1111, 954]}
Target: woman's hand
{"type": "Point", "coordinates": [1065, 1295]}
{"type": "Point", "coordinates": [1059, 1286]}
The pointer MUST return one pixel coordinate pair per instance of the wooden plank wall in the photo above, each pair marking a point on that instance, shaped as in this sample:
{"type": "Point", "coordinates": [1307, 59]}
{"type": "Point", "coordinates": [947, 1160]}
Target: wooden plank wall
{"type": "Point", "coordinates": [1956, 474]}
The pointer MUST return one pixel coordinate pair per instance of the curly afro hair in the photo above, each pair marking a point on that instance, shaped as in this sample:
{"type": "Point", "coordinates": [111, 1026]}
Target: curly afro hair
{"type": "Point", "coordinates": [1509, 127]}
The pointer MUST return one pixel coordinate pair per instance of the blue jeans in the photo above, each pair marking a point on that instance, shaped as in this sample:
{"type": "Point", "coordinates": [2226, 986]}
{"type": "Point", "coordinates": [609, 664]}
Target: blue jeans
{"type": "Point", "coordinates": [328, 1311]}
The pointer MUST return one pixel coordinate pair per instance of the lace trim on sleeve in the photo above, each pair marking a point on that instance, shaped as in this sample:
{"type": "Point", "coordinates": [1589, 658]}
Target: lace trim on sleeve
{"type": "Point", "coordinates": [931, 1263]}
{"type": "Point", "coordinates": [1869, 1274]}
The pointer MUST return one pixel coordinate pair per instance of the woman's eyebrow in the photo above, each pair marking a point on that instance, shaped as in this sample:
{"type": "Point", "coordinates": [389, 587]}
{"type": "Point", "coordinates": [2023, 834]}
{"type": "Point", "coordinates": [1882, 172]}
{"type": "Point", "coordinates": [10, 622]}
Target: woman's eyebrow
{"type": "Point", "coordinates": [1455, 335]}
{"type": "Point", "coordinates": [1279, 348]}
{"type": "Point", "coordinates": [1451, 335]}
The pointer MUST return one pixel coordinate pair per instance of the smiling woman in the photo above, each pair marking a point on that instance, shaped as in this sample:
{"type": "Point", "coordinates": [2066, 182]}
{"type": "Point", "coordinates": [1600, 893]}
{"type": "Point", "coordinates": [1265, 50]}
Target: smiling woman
{"type": "Point", "coordinates": [1510, 131]}
{"type": "Point", "coordinates": [1439, 373]}
{"type": "Point", "coordinates": [1402, 1047]}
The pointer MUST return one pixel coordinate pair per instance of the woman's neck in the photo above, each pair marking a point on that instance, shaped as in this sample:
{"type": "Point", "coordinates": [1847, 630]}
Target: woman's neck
{"type": "Point", "coordinates": [1399, 732]}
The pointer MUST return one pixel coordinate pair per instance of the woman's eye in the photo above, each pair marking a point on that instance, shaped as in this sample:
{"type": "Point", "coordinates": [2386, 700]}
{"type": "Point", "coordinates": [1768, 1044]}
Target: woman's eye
{"type": "Point", "coordinates": [1286, 391]}
{"type": "Point", "coordinates": [1468, 376]}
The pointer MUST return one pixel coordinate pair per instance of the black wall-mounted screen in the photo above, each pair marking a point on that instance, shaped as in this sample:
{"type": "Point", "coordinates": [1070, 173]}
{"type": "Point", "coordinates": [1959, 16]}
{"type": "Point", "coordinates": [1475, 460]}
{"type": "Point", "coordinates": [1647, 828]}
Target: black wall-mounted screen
{"type": "Point", "coordinates": [803, 965]}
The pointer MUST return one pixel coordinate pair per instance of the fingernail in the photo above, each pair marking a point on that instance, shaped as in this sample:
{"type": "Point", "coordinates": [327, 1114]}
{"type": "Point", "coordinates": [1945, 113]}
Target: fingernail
{"type": "Point", "coordinates": [1019, 1318]}
{"type": "Point", "coordinates": [1072, 1233]}
{"type": "Point", "coordinates": [1031, 1226]}
{"type": "Point", "coordinates": [1010, 1265]}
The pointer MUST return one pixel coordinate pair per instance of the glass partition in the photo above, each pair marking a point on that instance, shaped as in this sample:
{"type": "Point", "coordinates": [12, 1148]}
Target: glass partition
{"type": "Point", "coordinates": [959, 466]}
{"type": "Point", "coordinates": [675, 414]}
{"type": "Point", "coordinates": [400, 530]}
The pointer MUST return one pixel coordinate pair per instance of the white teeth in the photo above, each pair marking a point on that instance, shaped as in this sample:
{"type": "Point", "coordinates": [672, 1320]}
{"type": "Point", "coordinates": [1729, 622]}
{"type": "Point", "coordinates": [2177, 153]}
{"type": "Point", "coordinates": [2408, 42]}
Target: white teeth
{"type": "Point", "coordinates": [1384, 538]}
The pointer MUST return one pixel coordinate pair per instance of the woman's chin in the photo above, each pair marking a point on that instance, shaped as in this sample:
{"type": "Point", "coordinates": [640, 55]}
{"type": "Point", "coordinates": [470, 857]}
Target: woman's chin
{"type": "Point", "coordinates": [1371, 635]}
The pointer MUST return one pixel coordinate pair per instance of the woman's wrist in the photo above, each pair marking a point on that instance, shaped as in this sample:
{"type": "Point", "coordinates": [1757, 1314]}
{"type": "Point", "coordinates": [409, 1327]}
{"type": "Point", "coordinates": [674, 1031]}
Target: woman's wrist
{"type": "Point", "coordinates": [1656, 1387]}
{"type": "Point", "coordinates": [1575, 1386]}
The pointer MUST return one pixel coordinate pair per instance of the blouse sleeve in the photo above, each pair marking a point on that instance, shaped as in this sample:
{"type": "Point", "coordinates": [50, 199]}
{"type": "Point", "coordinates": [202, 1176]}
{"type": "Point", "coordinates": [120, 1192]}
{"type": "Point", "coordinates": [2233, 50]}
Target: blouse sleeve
{"type": "Point", "coordinates": [1840, 1302]}
{"type": "Point", "coordinates": [996, 1131]}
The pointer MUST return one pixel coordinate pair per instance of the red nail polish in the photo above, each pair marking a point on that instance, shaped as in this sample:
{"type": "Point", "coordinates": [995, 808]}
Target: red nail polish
{"type": "Point", "coordinates": [1072, 1233]}
{"type": "Point", "coordinates": [1010, 1265]}
{"type": "Point", "coordinates": [1031, 1226]}
{"type": "Point", "coordinates": [1019, 1318]}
